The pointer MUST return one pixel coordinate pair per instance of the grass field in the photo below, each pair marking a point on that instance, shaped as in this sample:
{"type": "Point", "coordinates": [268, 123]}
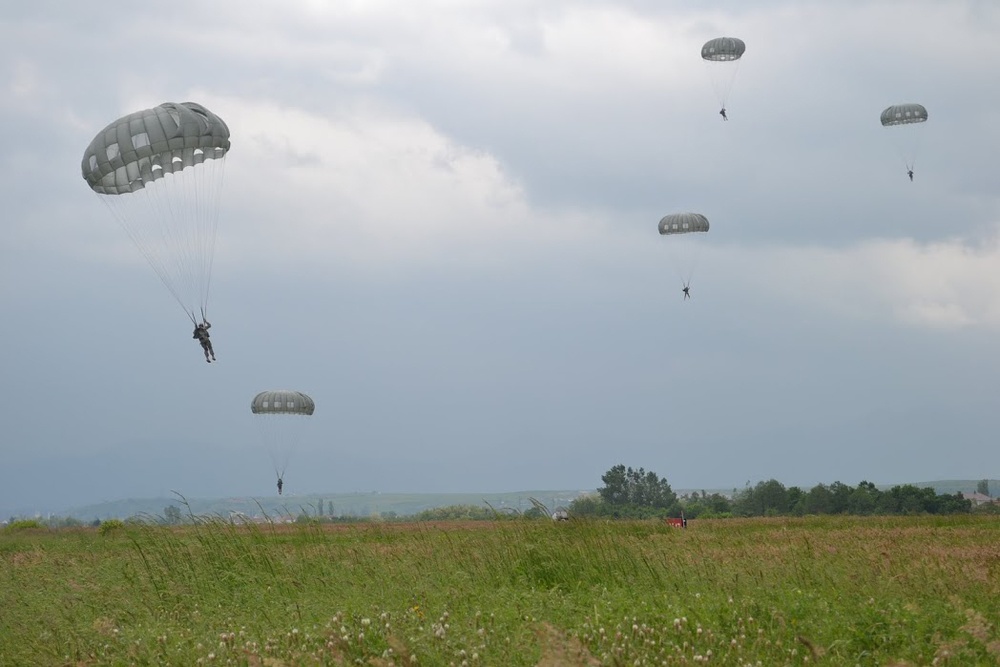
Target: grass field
{"type": "Point", "coordinates": [831, 591]}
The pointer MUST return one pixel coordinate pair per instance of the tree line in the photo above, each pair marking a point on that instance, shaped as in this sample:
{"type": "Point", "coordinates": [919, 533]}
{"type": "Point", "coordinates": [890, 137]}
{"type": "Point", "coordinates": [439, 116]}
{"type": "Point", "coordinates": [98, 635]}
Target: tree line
{"type": "Point", "coordinates": [638, 493]}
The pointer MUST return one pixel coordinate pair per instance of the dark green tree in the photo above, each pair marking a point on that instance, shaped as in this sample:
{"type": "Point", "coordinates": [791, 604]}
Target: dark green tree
{"type": "Point", "coordinates": [954, 504]}
{"type": "Point", "coordinates": [585, 506]}
{"type": "Point", "coordinates": [840, 493]}
{"type": "Point", "coordinates": [818, 500]}
{"type": "Point", "coordinates": [718, 503]}
{"type": "Point", "coordinates": [764, 499]}
{"type": "Point", "coordinates": [626, 487]}
{"type": "Point", "coordinates": [615, 489]}
{"type": "Point", "coordinates": [705, 505]}
{"type": "Point", "coordinates": [864, 499]}
{"type": "Point", "coordinates": [773, 497]}
{"type": "Point", "coordinates": [533, 513]}
{"type": "Point", "coordinates": [795, 496]}
{"type": "Point", "coordinates": [905, 499]}
{"type": "Point", "coordinates": [171, 515]}
{"type": "Point", "coordinates": [983, 487]}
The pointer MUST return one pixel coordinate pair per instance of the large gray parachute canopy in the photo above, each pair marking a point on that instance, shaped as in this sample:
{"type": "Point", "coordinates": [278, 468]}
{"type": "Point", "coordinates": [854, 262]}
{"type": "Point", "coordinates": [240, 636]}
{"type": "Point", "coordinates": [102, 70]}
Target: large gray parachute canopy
{"type": "Point", "coordinates": [904, 114]}
{"type": "Point", "coordinates": [282, 402]}
{"type": "Point", "coordinates": [142, 147]}
{"type": "Point", "coordinates": [683, 223]}
{"type": "Point", "coordinates": [722, 49]}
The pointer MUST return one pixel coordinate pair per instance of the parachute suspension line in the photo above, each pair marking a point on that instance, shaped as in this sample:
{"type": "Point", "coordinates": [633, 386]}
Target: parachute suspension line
{"type": "Point", "coordinates": [684, 255]}
{"type": "Point", "coordinates": [907, 143]}
{"type": "Point", "coordinates": [192, 247]}
{"type": "Point", "coordinates": [680, 274]}
{"type": "Point", "coordinates": [732, 85]}
{"type": "Point", "coordinates": [145, 249]}
{"type": "Point", "coordinates": [694, 265]}
{"type": "Point", "coordinates": [282, 434]}
{"type": "Point", "coordinates": [280, 462]}
{"type": "Point", "coordinates": [723, 79]}
{"type": "Point", "coordinates": [214, 204]}
{"type": "Point", "coordinates": [198, 214]}
{"type": "Point", "coordinates": [176, 230]}
{"type": "Point", "coordinates": [173, 220]}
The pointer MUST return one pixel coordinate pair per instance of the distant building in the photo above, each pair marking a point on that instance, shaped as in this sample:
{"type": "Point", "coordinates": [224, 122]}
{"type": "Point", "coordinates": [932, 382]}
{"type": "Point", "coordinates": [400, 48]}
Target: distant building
{"type": "Point", "coordinates": [978, 498]}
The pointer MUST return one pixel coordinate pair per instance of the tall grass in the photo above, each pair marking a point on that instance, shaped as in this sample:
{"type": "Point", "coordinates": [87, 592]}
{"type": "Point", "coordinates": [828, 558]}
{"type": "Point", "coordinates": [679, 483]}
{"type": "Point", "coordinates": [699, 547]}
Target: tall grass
{"type": "Point", "coordinates": [829, 590]}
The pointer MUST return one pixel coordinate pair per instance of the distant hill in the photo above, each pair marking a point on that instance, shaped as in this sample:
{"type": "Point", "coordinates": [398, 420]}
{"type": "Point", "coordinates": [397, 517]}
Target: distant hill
{"type": "Point", "coordinates": [334, 504]}
{"type": "Point", "coordinates": [954, 486]}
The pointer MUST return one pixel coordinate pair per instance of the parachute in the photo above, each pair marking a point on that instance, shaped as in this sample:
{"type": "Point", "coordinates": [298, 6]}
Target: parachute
{"type": "Point", "coordinates": [685, 248]}
{"type": "Point", "coordinates": [280, 417]}
{"type": "Point", "coordinates": [722, 57]}
{"type": "Point", "coordinates": [904, 123]}
{"type": "Point", "coordinates": [683, 223]}
{"type": "Point", "coordinates": [160, 173]}
{"type": "Point", "coordinates": [904, 114]}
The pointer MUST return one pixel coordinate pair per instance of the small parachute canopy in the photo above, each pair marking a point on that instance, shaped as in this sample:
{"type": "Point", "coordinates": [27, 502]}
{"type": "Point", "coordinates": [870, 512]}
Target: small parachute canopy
{"type": "Point", "coordinates": [142, 147]}
{"type": "Point", "coordinates": [282, 402]}
{"type": "Point", "coordinates": [904, 114]}
{"type": "Point", "coordinates": [723, 49]}
{"type": "Point", "coordinates": [683, 223]}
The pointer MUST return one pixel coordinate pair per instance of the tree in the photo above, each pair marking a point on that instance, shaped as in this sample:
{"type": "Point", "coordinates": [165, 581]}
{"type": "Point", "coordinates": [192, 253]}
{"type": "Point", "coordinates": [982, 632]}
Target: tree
{"type": "Point", "coordinates": [615, 489]}
{"type": "Point", "coordinates": [954, 504]}
{"type": "Point", "coordinates": [983, 487]}
{"type": "Point", "coordinates": [795, 496]}
{"type": "Point", "coordinates": [717, 503]}
{"type": "Point", "coordinates": [625, 487]}
{"type": "Point", "coordinates": [533, 513]}
{"type": "Point", "coordinates": [839, 495]}
{"type": "Point", "coordinates": [773, 497]}
{"type": "Point", "coordinates": [588, 505]}
{"type": "Point", "coordinates": [171, 515]}
{"type": "Point", "coordinates": [705, 505]}
{"type": "Point", "coordinates": [908, 499]}
{"type": "Point", "coordinates": [765, 499]}
{"type": "Point", "coordinates": [864, 499]}
{"type": "Point", "coordinates": [818, 500]}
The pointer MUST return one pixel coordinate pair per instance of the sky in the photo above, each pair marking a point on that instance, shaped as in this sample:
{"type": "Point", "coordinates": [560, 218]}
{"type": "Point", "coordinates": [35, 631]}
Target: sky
{"type": "Point", "coordinates": [439, 220]}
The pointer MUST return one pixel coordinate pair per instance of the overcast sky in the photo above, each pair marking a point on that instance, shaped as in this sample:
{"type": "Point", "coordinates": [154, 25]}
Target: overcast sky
{"type": "Point", "coordinates": [439, 219]}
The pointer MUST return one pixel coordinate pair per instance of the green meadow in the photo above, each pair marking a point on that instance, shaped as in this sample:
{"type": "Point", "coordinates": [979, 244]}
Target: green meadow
{"type": "Point", "coordinates": [831, 591]}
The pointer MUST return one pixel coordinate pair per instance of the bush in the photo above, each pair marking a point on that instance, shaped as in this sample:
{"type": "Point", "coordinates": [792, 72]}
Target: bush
{"type": "Point", "coordinates": [111, 526]}
{"type": "Point", "coordinates": [23, 524]}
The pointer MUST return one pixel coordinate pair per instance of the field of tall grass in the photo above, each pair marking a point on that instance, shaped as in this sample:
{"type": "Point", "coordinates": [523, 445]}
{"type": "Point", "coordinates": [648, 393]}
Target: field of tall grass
{"type": "Point", "coordinates": [831, 591]}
